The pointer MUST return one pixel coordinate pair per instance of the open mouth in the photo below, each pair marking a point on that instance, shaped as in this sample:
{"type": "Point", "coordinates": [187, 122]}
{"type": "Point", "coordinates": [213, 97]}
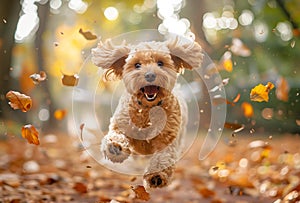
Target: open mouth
{"type": "Point", "coordinates": [150, 92]}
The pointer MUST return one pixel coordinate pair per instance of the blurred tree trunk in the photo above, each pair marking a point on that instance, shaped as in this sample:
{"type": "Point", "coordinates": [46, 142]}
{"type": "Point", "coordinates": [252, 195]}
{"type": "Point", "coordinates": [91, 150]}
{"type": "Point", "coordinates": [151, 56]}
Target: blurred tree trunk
{"type": "Point", "coordinates": [44, 91]}
{"type": "Point", "coordinates": [9, 14]}
{"type": "Point", "coordinates": [194, 11]}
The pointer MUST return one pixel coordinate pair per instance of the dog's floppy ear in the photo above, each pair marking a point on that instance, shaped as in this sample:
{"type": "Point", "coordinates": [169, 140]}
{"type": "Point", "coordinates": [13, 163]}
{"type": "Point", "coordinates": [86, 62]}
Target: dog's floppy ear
{"type": "Point", "coordinates": [111, 58]}
{"type": "Point", "coordinates": [185, 53]}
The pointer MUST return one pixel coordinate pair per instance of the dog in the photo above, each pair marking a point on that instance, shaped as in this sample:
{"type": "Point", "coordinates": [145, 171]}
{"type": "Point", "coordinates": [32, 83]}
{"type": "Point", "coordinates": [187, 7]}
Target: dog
{"type": "Point", "coordinates": [151, 117]}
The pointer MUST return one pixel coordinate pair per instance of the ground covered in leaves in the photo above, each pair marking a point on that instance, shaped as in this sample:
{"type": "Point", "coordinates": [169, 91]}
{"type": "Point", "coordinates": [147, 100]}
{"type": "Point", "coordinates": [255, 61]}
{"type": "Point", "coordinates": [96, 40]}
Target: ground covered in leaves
{"type": "Point", "coordinates": [242, 169]}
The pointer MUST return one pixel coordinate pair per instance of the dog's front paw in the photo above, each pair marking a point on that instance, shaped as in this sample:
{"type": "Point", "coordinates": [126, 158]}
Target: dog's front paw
{"type": "Point", "coordinates": [159, 179]}
{"type": "Point", "coordinates": [116, 150]}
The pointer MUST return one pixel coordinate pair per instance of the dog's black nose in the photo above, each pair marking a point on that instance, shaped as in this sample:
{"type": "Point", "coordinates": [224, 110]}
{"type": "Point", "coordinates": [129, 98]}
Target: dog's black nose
{"type": "Point", "coordinates": [150, 76]}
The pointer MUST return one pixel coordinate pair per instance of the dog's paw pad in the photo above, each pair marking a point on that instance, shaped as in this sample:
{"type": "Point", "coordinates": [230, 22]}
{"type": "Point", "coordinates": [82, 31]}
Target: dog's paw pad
{"type": "Point", "coordinates": [156, 181]}
{"type": "Point", "coordinates": [115, 149]}
{"type": "Point", "coordinates": [116, 152]}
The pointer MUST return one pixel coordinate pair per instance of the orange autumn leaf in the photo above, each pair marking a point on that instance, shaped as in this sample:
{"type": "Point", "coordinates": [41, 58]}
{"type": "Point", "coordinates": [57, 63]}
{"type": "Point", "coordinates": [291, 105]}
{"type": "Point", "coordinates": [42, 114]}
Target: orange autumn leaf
{"type": "Point", "coordinates": [60, 114]}
{"type": "Point", "coordinates": [261, 92]}
{"type": "Point", "coordinates": [226, 62]}
{"type": "Point", "coordinates": [19, 101]}
{"type": "Point", "coordinates": [38, 77]}
{"type": "Point", "coordinates": [80, 187]}
{"type": "Point", "coordinates": [247, 109]}
{"type": "Point", "coordinates": [237, 98]}
{"type": "Point", "coordinates": [30, 134]}
{"type": "Point", "coordinates": [70, 80]}
{"type": "Point", "coordinates": [87, 35]}
{"type": "Point", "coordinates": [140, 192]}
{"type": "Point", "coordinates": [282, 89]}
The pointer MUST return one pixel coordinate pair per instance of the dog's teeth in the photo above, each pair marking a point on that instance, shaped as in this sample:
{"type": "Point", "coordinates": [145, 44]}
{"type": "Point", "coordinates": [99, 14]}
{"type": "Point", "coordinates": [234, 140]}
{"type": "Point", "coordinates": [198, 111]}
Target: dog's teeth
{"type": "Point", "coordinates": [151, 98]}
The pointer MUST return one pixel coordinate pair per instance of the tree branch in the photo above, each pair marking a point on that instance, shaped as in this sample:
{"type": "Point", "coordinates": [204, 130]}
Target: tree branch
{"type": "Point", "coordinates": [287, 13]}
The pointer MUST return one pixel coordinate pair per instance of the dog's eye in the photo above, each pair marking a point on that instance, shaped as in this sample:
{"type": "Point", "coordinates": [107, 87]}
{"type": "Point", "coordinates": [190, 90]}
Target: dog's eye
{"type": "Point", "coordinates": [160, 63]}
{"type": "Point", "coordinates": [137, 65]}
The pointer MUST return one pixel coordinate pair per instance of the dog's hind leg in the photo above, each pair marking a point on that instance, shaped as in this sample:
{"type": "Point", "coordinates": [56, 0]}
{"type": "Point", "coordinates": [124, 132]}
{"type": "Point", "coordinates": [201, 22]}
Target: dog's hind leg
{"type": "Point", "coordinates": [161, 167]}
{"type": "Point", "coordinates": [115, 147]}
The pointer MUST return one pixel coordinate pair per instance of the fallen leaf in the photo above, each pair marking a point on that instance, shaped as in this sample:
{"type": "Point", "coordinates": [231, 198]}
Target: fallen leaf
{"type": "Point", "coordinates": [282, 89]}
{"type": "Point", "coordinates": [247, 109]}
{"type": "Point", "coordinates": [87, 35]}
{"type": "Point", "coordinates": [293, 43]}
{"type": "Point", "coordinates": [298, 122]}
{"type": "Point", "coordinates": [19, 101]}
{"type": "Point", "coordinates": [296, 32]}
{"type": "Point", "coordinates": [30, 134]}
{"type": "Point", "coordinates": [238, 48]}
{"type": "Point", "coordinates": [80, 187]}
{"type": "Point", "coordinates": [225, 81]}
{"type": "Point", "coordinates": [236, 127]}
{"type": "Point", "coordinates": [38, 77]}
{"type": "Point", "coordinates": [226, 62]}
{"type": "Point", "coordinates": [81, 130]}
{"type": "Point", "coordinates": [140, 192]}
{"type": "Point", "coordinates": [261, 92]}
{"type": "Point", "coordinates": [205, 192]}
{"type": "Point", "coordinates": [70, 80]}
{"type": "Point", "coordinates": [237, 98]}
{"type": "Point", "coordinates": [60, 114]}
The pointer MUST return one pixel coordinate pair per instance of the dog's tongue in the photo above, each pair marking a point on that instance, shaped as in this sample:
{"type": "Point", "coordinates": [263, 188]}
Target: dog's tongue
{"type": "Point", "coordinates": [151, 89]}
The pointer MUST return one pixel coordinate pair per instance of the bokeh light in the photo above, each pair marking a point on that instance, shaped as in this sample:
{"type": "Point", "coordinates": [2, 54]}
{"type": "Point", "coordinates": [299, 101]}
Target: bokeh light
{"type": "Point", "coordinates": [285, 31]}
{"type": "Point", "coordinates": [55, 4]}
{"type": "Point", "coordinates": [44, 114]}
{"type": "Point", "coordinates": [78, 5]}
{"type": "Point", "coordinates": [28, 21]}
{"type": "Point", "coordinates": [226, 21]}
{"type": "Point", "coordinates": [111, 13]}
{"type": "Point", "coordinates": [246, 18]}
{"type": "Point", "coordinates": [169, 11]}
{"type": "Point", "coordinates": [261, 31]}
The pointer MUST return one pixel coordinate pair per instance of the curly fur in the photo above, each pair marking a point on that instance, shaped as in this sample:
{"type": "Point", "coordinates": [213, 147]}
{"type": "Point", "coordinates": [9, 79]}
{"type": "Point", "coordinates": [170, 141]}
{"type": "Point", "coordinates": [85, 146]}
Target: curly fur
{"type": "Point", "coordinates": [142, 124]}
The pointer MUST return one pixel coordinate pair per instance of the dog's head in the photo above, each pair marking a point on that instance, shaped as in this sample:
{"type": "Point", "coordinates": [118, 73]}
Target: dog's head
{"type": "Point", "coordinates": [149, 69]}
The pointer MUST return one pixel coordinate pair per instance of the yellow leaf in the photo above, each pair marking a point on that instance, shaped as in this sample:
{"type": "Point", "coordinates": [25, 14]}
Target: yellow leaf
{"type": "Point", "coordinates": [19, 101]}
{"type": "Point", "coordinates": [247, 109]}
{"type": "Point", "coordinates": [226, 62]}
{"type": "Point", "coordinates": [261, 92]}
{"type": "Point", "coordinates": [30, 134]}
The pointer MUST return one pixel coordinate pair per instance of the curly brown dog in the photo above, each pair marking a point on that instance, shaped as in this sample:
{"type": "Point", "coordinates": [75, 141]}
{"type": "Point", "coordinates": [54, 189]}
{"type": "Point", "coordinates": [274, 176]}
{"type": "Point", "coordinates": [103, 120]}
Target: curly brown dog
{"type": "Point", "coordinates": [151, 116]}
